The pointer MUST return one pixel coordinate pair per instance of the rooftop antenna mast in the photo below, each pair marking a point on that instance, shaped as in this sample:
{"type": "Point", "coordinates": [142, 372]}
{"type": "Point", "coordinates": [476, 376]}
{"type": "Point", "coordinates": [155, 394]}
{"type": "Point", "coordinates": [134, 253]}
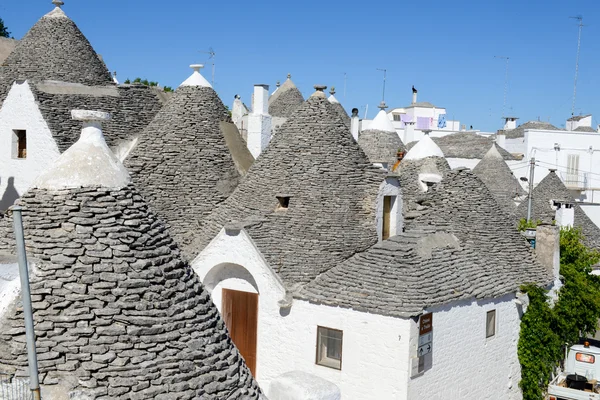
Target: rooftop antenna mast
{"type": "Point", "coordinates": [505, 83]}
{"type": "Point", "coordinates": [384, 77]}
{"type": "Point", "coordinates": [579, 19]}
{"type": "Point", "coordinates": [345, 79]}
{"type": "Point", "coordinates": [211, 53]}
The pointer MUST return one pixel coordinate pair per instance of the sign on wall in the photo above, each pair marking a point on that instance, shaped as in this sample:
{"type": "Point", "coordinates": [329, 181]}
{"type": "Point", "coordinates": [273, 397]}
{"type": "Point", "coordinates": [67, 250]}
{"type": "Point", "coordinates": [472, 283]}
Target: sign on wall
{"type": "Point", "coordinates": [425, 334]}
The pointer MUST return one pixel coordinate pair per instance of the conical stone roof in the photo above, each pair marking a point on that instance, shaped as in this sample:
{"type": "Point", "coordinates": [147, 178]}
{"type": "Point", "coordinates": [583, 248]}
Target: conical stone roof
{"type": "Point", "coordinates": [552, 188]}
{"type": "Point", "coordinates": [314, 164]}
{"type": "Point", "coordinates": [458, 246]}
{"type": "Point", "coordinates": [55, 49]}
{"type": "Point", "coordinates": [499, 179]}
{"type": "Point", "coordinates": [339, 108]}
{"type": "Point", "coordinates": [285, 99]}
{"type": "Point", "coordinates": [118, 313]}
{"type": "Point", "coordinates": [189, 159]}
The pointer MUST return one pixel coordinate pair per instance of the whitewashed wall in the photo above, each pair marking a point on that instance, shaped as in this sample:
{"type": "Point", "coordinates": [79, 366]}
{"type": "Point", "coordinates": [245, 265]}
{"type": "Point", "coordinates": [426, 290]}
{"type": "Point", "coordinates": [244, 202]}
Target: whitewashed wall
{"type": "Point", "coordinates": [466, 365]}
{"type": "Point", "coordinates": [375, 348]}
{"type": "Point", "coordinates": [540, 144]}
{"type": "Point", "coordinates": [20, 111]}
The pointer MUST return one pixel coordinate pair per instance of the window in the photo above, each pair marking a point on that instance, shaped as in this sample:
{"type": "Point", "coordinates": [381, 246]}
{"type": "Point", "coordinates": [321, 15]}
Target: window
{"type": "Point", "coordinates": [586, 358]}
{"type": "Point", "coordinates": [572, 169]}
{"type": "Point", "coordinates": [284, 202]}
{"type": "Point", "coordinates": [388, 204]}
{"type": "Point", "coordinates": [19, 144]}
{"type": "Point", "coordinates": [490, 324]}
{"type": "Point", "coordinates": [397, 117]}
{"type": "Point", "coordinates": [329, 347]}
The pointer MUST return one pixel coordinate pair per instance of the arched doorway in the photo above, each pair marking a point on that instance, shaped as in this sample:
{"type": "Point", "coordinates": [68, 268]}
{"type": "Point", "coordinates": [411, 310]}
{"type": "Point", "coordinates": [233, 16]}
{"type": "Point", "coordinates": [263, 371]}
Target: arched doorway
{"type": "Point", "coordinates": [235, 290]}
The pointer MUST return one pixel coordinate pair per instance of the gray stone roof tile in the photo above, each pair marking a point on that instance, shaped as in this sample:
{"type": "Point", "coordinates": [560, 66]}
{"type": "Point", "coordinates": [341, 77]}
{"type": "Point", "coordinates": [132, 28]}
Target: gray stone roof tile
{"type": "Point", "coordinates": [519, 131]}
{"type": "Point", "coordinates": [585, 129]}
{"type": "Point", "coordinates": [381, 146]}
{"type": "Point", "coordinates": [186, 162]}
{"type": "Point", "coordinates": [132, 108]}
{"type": "Point", "coordinates": [459, 245]}
{"type": "Point", "coordinates": [466, 145]}
{"type": "Point", "coordinates": [499, 179]}
{"type": "Point", "coordinates": [332, 189]}
{"type": "Point", "coordinates": [55, 49]}
{"type": "Point", "coordinates": [285, 100]}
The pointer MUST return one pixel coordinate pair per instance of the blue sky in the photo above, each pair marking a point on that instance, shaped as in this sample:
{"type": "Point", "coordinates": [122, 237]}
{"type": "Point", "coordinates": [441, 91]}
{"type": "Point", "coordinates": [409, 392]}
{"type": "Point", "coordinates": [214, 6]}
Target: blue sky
{"type": "Point", "coordinates": [446, 49]}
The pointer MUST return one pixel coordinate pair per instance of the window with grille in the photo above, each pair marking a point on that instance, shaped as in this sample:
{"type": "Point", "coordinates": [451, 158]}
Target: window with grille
{"type": "Point", "coordinates": [329, 347]}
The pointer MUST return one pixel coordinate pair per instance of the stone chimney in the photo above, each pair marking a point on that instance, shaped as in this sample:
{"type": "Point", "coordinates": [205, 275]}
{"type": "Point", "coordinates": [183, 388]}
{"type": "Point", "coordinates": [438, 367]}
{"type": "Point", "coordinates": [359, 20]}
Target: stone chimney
{"type": "Point", "coordinates": [354, 124]}
{"type": "Point", "coordinates": [547, 250]}
{"type": "Point", "coordinates": [501, 139]}
{"type": "Point", "coordinates": [259, 121]}
{"type": "Point", "coordinates": [565, 214]}
{"type": "Point", "coordinates": [510, 123]}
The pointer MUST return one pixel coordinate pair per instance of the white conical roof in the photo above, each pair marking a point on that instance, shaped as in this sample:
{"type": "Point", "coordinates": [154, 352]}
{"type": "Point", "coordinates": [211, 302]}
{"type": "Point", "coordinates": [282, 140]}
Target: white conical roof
{"type": "Point", "coordinates": [382, 123]}
{"type": "Point", "coordinates": [333, 100]}
{"type": "Point", "coordinates": [423, 149]}
{"type": "Point", "coordinates": [89, 162]}
{"type": "Point", "coordinates": [196, 79]}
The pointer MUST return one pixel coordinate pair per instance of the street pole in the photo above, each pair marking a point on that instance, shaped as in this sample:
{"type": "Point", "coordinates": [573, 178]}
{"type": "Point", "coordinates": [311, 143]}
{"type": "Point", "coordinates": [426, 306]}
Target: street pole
{"type": "Point", "coordinates": [34, 383]}
{"type": "Point", "coordinates": [531, 174]}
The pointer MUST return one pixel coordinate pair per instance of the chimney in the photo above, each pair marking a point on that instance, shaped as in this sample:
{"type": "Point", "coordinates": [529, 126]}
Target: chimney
{"type": "Point", "coordinates": [409, 132]}
{"type": "Point", "coordinates": [565, 214]}
{"type": "Point", "coordinates": [354, 123]}
{"type": "Point", "coordinates": [501, 140]}
{"type": "Point", "coordinates": [259, 121]}
{"type": "Point", "coordinates": [414, 97]}
{"type": "Point", "coordinates": [547, 249]}
{"type": "Point", "coordinates": [510, 123]}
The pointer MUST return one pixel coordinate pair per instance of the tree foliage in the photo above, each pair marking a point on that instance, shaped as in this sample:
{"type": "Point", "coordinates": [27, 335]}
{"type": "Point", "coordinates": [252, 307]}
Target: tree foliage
{"type": "Point", "coordinates": [539, 347]}
{"type": "Point", "coordinates": [545, 330]}
{"type": "Point", "coordinates": [146, 82]}
{"type": "Point", "coordinates": [3, 30]}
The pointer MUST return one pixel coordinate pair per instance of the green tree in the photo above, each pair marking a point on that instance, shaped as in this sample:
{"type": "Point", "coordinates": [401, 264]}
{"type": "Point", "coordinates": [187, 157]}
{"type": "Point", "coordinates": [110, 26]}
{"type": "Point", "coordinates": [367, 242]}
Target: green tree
{"type": "Point", "coordinates": [4, 30]}
{"type": "Point", "coordinates": [539, 347]}
{"type": "Point", "coordinates": [578, 306]}
{"type": "Point", "coordinates": [544, 330]}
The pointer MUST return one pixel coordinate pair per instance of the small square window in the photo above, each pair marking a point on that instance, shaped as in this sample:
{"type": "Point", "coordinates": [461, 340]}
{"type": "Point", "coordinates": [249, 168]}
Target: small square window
{"type": "Point", "coordinates": [19, 144]}
{"type": "Point", "coordinates": [329, 347]}
{"type": "Point", "coordinates": [284, 202]}
{"type": "Point", "coordinates": [490, 324]}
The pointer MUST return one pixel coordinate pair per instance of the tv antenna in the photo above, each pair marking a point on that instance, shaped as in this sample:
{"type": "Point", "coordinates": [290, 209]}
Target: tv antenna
{"type": "Point", "coordinates": [345, 80]}
{"type": "Point", "coordinates": [211, 56]}
{"type": "Point", "coordinates": [505, 83]}
{"type": "Point", "coordinates": [384, 77]}
{"type": "Point", "coordinates": [579, 19]}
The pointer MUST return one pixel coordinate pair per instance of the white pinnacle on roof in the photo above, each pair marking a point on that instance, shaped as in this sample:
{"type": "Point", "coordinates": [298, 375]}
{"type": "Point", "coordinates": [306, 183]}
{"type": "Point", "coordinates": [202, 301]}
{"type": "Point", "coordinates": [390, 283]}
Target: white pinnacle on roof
{"type": "Point", "coordinates": [196, 79]}
{"type": "Point", "coordinates": [89, 162]}
{"type": "Point", "coordinates": [382, 123]}
{"type": "Point", "coordinates": [423, 149]}
{"type": "Point", "coordinates": [57, 12]}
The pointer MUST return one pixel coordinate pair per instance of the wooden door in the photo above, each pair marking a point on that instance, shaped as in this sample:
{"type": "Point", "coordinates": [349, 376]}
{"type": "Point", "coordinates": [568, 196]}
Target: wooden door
{"type": "Point", "coordinates": [240, 312]}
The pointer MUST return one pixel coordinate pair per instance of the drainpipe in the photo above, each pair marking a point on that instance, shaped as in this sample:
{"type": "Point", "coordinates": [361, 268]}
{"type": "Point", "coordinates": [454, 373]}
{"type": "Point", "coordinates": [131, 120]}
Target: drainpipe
{"type": "Point", "coordinates": [34, 383]}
